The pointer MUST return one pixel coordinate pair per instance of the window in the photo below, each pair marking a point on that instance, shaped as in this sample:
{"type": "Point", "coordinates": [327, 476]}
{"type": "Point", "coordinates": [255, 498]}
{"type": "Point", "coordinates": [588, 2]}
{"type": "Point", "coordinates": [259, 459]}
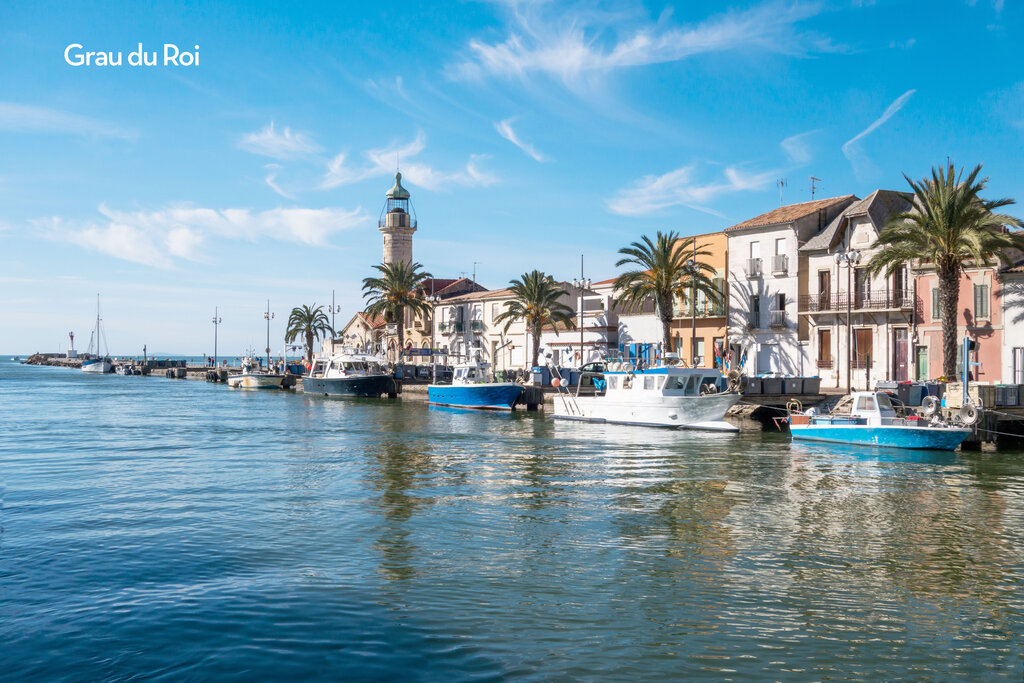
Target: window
{"type": "Point", "coordinates": [718, 305]}
{"type": "Point", "coordinates": [648, 382]}
{"type": "Point", "coordinates": [780, 246]}
{"type": "Point", "coordinates": [824, 347]}
{"type": "Point", "coordinates": [780, 302]}
{"type": "Point", "coordinates": [679, 346]}
{"type": "Point", "coordinates": [1018, 365]}
{"type": "Point", "coordinates": [699, 360]}
{"type": "Point", "coordinates": [755, 311]}
{"type": "Point", "coordinates": [936, 304]}
{"type": "Point", "coordinates": [719, 351]}
{"type": "Point", "coordinates": [862, 343]}
{"type": "Point", "coordinates": [981, 302]}
{"type": "Point", "coordinates": [495, 310]}
{"type": "Point", "coordinates": [864, 403]}
{"type": "Point", "coordinates": [755, 250]}
{"type": "Point", "coordinates": [861, 287]}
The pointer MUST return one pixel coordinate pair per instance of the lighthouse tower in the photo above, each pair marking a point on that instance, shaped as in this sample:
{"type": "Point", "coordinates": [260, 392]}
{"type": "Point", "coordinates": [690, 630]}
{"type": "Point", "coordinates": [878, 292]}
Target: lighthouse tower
{"type": "Point", "coordinates": [398, 223]}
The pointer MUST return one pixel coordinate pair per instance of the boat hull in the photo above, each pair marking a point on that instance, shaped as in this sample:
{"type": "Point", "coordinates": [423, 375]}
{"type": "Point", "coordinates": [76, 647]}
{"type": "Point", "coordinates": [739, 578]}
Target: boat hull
{"type": "Point", "coordinates": [365, 386]}
{"type": "Point", "coordinates": [256, 381]}
{"type": "Point", "coordinates": [98, 366]}
{"type": "Point", "coordinates": [488, 396]}
{"type": "Point", "coordinates": [914, 438]}
{"type": "Point", "coordinates": [656, 410]}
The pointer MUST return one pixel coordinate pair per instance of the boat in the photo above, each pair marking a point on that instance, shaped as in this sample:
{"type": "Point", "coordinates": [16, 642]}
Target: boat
{"type": "Point", "coordinates": [349, 374]}
{"type": "Point", "coordinates": [664, 396]}
{"type": "Point", "coordinates": [252, 377]}
{"type": "Point", "coordinates": [868, 418]}
{"type": "Point", "coordinates": [98, 363]}
{"type": "Point", "coordinates": [127, 369]}
{"type": "Point", "coordinates": [472, 387]}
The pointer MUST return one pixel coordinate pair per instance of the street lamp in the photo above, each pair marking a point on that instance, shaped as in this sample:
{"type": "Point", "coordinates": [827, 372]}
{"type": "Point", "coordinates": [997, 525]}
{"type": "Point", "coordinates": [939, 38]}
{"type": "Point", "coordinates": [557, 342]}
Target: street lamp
{"type": "Point", "coordinates": [581, 284]}
{"type": "Point", "coordinates": [849, 258]}
{"type": "Point", "coordinates": [334, 309]}
{"type": "Point", "coordinates": [268, 316]}
{"type": "Point", "coordinates": [691, 268]}
{"type": "Point", "coordinates": [216, 323]}
{"type": "Point", "coordinates": [433, 299]}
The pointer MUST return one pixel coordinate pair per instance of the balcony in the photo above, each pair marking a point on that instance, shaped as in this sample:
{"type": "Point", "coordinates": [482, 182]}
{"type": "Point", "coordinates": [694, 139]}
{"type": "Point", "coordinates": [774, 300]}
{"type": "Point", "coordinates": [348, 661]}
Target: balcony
{"type": "Point", "coordinates": [460, 326]}
{"type": "Point", "coordinates": [778, 320]}
{"type": "Point", "coordinates": [780, 264]}
{"type": "Point", "coordinates": [824, 363]}
{"type": "Point", "coordinates": [861, 301]}
{"type": "Point", "coordinates": [753, 320]}
{"type": "Point", "coordinates": [476, 326]}
{"type": "Point", "coordinates": [753, 268]}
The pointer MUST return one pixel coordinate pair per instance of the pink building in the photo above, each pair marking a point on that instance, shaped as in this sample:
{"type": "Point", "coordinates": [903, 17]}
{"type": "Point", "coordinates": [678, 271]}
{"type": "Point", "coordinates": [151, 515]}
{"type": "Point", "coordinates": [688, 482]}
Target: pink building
{"type": "Point", "coordinates": [980, 317]}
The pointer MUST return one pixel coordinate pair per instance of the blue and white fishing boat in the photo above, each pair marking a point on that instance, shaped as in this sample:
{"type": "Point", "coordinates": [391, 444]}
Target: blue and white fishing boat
{"type": "Point", "coordinates": [471, 388]}
{"type": "Point", "coordinates": [349, 374]}
{"type": "Point", "coordinates": [868, 418]}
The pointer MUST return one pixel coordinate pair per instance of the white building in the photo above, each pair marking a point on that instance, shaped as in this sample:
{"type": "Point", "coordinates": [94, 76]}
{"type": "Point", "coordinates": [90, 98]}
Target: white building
{"type": "Point", "coordinates": [638, 333]}
{"type": "Point", "coordinates": [1011, 284]}
{"type": "Point", "coordinates": [860, 327]}
{"type": "Point", "coordinates": [765, 268]}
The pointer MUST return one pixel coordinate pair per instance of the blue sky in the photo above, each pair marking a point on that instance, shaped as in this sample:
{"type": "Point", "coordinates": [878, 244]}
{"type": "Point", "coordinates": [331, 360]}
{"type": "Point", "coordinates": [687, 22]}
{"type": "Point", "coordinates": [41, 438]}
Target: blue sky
{"type": "Point", "coordinates": [528, 133]}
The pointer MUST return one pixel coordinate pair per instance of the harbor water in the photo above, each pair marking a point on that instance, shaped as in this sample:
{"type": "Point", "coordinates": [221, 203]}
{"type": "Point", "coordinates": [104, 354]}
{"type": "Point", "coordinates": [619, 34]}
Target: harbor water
{"type": "Point", "coordinates": [157, 528]}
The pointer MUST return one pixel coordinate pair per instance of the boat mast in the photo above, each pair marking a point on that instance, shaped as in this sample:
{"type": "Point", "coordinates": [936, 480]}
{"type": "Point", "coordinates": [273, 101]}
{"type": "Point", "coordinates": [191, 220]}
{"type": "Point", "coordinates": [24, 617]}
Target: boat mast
{"type": "Point", "coordinates": [268, 316]}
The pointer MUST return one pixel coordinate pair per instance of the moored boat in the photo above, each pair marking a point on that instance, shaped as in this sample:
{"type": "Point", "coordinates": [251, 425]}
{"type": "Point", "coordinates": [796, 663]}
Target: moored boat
{"type": "Point", "coordinates": [868, 418]}
{"type": "Point", "coordinates": [471, 388]}
{"type": "Point", "coordinates": [252, 378]}
{"type": "Point", "coordinates": [98, 363]}
{"type": "Point", "coordinates": [349, 374]}
{"type": "Point", "coordinates": [667, 396]}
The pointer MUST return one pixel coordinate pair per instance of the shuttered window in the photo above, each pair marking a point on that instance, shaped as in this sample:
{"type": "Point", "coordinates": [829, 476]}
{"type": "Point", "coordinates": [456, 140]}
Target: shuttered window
{"type": "Point", "coordinates": [981, 302]}
{"type": "Point", "coordinates": [936, 305]}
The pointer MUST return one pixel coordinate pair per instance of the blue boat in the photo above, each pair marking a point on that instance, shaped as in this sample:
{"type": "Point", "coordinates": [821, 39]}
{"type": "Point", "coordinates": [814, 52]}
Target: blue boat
{"type": "Point", "coordinates": [471, 388]}
{"type": "Point", "coordinates": [868, 418]}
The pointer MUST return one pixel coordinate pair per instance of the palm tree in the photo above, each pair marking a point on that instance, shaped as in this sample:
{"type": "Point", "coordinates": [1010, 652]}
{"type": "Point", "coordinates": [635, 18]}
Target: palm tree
{"type": "Point", "coordinates": [669, 268]}
{"type": "Point", "coordinates": [398, 287]}
{"type": "Point", "coordinates": [308, 322]}
{"type": "Point", "coordinates": [536, 302]}
{"type": "Point", "coordinates": [950, 226]}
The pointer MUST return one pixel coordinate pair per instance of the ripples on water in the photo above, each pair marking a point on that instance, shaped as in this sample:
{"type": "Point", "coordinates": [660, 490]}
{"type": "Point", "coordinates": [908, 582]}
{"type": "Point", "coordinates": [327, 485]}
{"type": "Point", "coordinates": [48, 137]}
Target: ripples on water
{"type": "Point", "coordinates": [155, 527]}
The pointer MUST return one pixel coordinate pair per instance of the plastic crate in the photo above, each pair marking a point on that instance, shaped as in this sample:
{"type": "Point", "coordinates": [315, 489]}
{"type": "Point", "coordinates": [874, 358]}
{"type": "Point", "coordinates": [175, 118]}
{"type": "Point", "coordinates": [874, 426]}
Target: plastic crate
{"type": "Point", "coordinates": [773, 385]}
{"type": "Point", "coordinates": [812, 385]}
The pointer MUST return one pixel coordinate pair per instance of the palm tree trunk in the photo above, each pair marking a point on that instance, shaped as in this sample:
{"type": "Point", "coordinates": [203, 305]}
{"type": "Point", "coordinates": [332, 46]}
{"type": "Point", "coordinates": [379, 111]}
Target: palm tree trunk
{"type": "Point", "coordinates": [400, 319]}
{"type": "Point", "coordinates": [665, 313]}
{"type": "Point", "coordinates": [535, 333]}
{"type": "Point", "coordinates": [309, 346]}
{"type": "Point", "coordinates": [949, 298]}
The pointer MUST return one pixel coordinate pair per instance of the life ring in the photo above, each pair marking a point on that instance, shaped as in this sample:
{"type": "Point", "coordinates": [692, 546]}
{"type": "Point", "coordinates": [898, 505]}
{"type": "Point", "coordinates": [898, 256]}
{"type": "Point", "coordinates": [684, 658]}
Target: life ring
{"type": "Point", "coordinates": [930, 405]}
{"type": "Point", "coordinates": [794, 406]}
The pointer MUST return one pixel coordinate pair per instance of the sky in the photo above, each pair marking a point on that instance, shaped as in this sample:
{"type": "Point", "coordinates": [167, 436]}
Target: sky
{"type": "Point", "coordinates": [529, 134]}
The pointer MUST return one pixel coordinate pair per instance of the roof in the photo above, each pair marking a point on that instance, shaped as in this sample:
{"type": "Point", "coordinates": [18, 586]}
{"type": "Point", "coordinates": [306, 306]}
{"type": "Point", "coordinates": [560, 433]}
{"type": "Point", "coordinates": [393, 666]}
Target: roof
{"type": "Point", "coordinates": [436, 284]}
{"type": "Point", "coordinates": [373, 323]}
{"type": "Point", "coordinates": [790, 213]}
{"type": "Point", "coordinates": [478, 296]}
{"type": "Point", "coordinates": [879, 207]}
{"type": "Point", "coordinates": [397, 191]}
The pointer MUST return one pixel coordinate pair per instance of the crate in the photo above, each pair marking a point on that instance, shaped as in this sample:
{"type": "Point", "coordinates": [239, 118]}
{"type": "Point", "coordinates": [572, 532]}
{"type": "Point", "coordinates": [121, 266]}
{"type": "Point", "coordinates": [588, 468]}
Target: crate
{"type": "Point", "coordinates": [773, 385]}
{"type": "Point", "coordinates": [988, 394]}
{"type": "Point", "coordinates": [1010, 395]}
{"type": "Point", "coordinates": [812, 385]}
{"type": "Point", "coordinates": [792, 385]}
{"type": "Point", "coordinates": [754, 387]}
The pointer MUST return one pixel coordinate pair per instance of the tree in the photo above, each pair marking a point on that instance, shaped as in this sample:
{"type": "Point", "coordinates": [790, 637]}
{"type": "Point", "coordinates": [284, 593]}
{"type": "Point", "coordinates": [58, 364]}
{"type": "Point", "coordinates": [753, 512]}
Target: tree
{"type": "Point", "coordinates": [950, 226]}
{"type": "Point", "coordinates": [398, 287]}
{"type": "Point", "coordinates": [310, 323]}
{"type": "Point", "coordinates": [669, 268]}
{"type": "Point", "coordinates": [536, 302]}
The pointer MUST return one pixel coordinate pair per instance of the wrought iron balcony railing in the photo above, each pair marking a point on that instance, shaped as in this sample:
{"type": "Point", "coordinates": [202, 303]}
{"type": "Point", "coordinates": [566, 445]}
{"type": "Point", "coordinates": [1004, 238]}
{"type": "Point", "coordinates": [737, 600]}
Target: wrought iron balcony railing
{"type": "Point", "coordinates": [860, 301]}
{"type": "Point", "coordinates": [753, 267]}
{"type": "Point", "coordinates": [778, 320]}
{"type": "Point", "coordinates": [780, 264]}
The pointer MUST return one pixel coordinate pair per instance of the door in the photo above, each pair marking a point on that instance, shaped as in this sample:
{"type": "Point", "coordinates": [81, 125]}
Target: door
{"type": "Point", "coordinates": [824, 289]}
{"type": "Point", "coordinates": [1018, 365]}
{"type": "Point", "coordinates": [899, 360]}
{"type": "Point", "coordinates": [766, 358]}
{"type": "Point", "coordinates": [921, 361]}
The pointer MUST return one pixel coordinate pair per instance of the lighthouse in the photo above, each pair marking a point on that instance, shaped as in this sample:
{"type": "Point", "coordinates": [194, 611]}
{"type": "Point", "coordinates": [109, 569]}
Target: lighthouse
{"type": "Point", "coordinates": [397, 223]}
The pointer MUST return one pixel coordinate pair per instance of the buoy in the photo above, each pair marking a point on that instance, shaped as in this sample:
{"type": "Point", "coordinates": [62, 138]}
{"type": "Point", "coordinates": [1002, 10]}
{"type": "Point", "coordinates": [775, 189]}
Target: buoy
{"type": "Point", "coordinates": [556, 382]}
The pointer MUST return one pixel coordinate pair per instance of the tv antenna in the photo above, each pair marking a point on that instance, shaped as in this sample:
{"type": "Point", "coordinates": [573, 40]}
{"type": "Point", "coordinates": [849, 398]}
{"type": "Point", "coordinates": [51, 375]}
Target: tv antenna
{"type": "Point", "coordinates": [813, 186]}
{"type": "Point", "coordinates": [781, 183]}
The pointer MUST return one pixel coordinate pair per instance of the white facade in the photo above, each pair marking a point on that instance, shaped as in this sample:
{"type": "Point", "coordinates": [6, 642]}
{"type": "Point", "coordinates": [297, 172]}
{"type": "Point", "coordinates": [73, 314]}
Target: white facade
{"type": "Point", "coordinates": [1012, 287]}
{"type": "Point", "coordinates": [765, 268]}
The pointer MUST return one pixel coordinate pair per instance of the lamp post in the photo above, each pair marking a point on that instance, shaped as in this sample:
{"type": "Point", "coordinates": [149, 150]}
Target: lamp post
{"type": "Point", "coordinates": [268, 316]}
{"type": "Point", "coordinates": [582, 284]}
{"type": "Point", "coordinates": [849, 258]}
{"type": "Point", "coordinates": [433, 299]}
{"type": "Point", "coordinates": [216, 323]}
{"type": "Point", "coordinates": [691, 268]}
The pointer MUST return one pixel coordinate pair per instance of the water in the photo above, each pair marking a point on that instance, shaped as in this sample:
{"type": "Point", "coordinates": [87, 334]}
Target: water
{"type": "Point", "coordinates": [177, 529]}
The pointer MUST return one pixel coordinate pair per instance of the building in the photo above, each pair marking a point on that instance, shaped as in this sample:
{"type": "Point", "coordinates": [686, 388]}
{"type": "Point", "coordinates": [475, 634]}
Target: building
{"type": "Point", "coordinates": [765, 266]}
{"type": "Point", "coordinates": [707, 322]}
{"type": "Point", "coordinates": [397, 223]}
{"type": "Point", "coordinates": [638, 332]}
{"type": "Point", "coordinates": [361, 332]}
{"type": "Point", "coordinates": [860, 327]}
{"type": "Point", "coordinates": [1011, 297]}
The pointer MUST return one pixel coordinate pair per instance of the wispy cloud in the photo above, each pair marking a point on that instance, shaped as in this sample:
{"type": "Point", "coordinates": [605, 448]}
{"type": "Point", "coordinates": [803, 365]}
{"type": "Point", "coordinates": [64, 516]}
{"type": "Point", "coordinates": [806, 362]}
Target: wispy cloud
{"type": "Point", "coordinates": [385, 160]}
{"type": "Point", "coordinates": [24, 117]}
{"type": "Point", "coordinates": [156, 238]}
{"type": "Point", "coordinates": [571, 46]}
{"type": "Point", "coordinates": [796, 147]}
{"type": "Point", "coordinates": [852, 149]}
{"type": "Point", "coordinates": [505, 130]}
{"type": "Point", "coordinates": [278, 145]}
{"type": "Point", "coordinates": [652, 194]}
{"type": "Point", "coordinates": [271, 180]}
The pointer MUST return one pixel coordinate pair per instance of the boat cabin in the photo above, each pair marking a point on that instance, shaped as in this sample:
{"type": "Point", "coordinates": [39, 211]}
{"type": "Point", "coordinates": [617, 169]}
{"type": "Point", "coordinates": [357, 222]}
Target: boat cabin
{"type": "Point", "coordinates": [345, 365]}
{"type": "Point", "coordinates": [472, 373]}
{"type": "Point", "coordinates": [668, 381]}
{"type": "Point", "coordinates": [864, 408]}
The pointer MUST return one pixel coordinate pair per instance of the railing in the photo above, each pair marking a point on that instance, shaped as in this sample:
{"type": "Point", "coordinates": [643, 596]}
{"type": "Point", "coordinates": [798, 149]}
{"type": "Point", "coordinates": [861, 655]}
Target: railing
{"type": "Point", "coordinates": [476, 325]}
{"type": "Point", "coordinates": [878, 301]}
{"type": "Point", "coordinates": [778, 319]}
{"type": "Point", "coordinates": [780, 264]}
{"type": "Point", "coordinates": [705, 309]}
{"type": "Point", "coordinates": [753, 267]}
{"type": "Point", "coordinates": [460, 326]}
{"type": "Point", "coordinates": [825, 363]}
{"type": "Point", "coordinates": [753, 321]}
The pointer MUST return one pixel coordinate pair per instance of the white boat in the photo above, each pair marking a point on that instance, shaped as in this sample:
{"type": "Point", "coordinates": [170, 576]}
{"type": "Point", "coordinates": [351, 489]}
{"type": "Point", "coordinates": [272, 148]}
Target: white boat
{"type": "Point", "coordinates": [349, 374]}
{"type": "Point", "coordinates": [98, 362]}
{"type": "Point", "coordinates": [868, 418]}
{"type": "Point", "coordinates": [669, 396]}
{"type": "Point", "coordinates": [253, 378]}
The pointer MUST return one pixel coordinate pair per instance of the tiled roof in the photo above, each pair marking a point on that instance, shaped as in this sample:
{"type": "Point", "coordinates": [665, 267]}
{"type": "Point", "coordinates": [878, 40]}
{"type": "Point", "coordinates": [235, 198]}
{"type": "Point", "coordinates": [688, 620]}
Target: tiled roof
{"type": "Point", "coordinates": [437, 284]}
{"type": "Point", "coordinates": [879, 206]}
{"type": "Point", "coordinates": [478, 296]}
{"type": "Point", "coordinates": [790, 213]}
{"type": "Point", "coordinates": [374, 323]}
